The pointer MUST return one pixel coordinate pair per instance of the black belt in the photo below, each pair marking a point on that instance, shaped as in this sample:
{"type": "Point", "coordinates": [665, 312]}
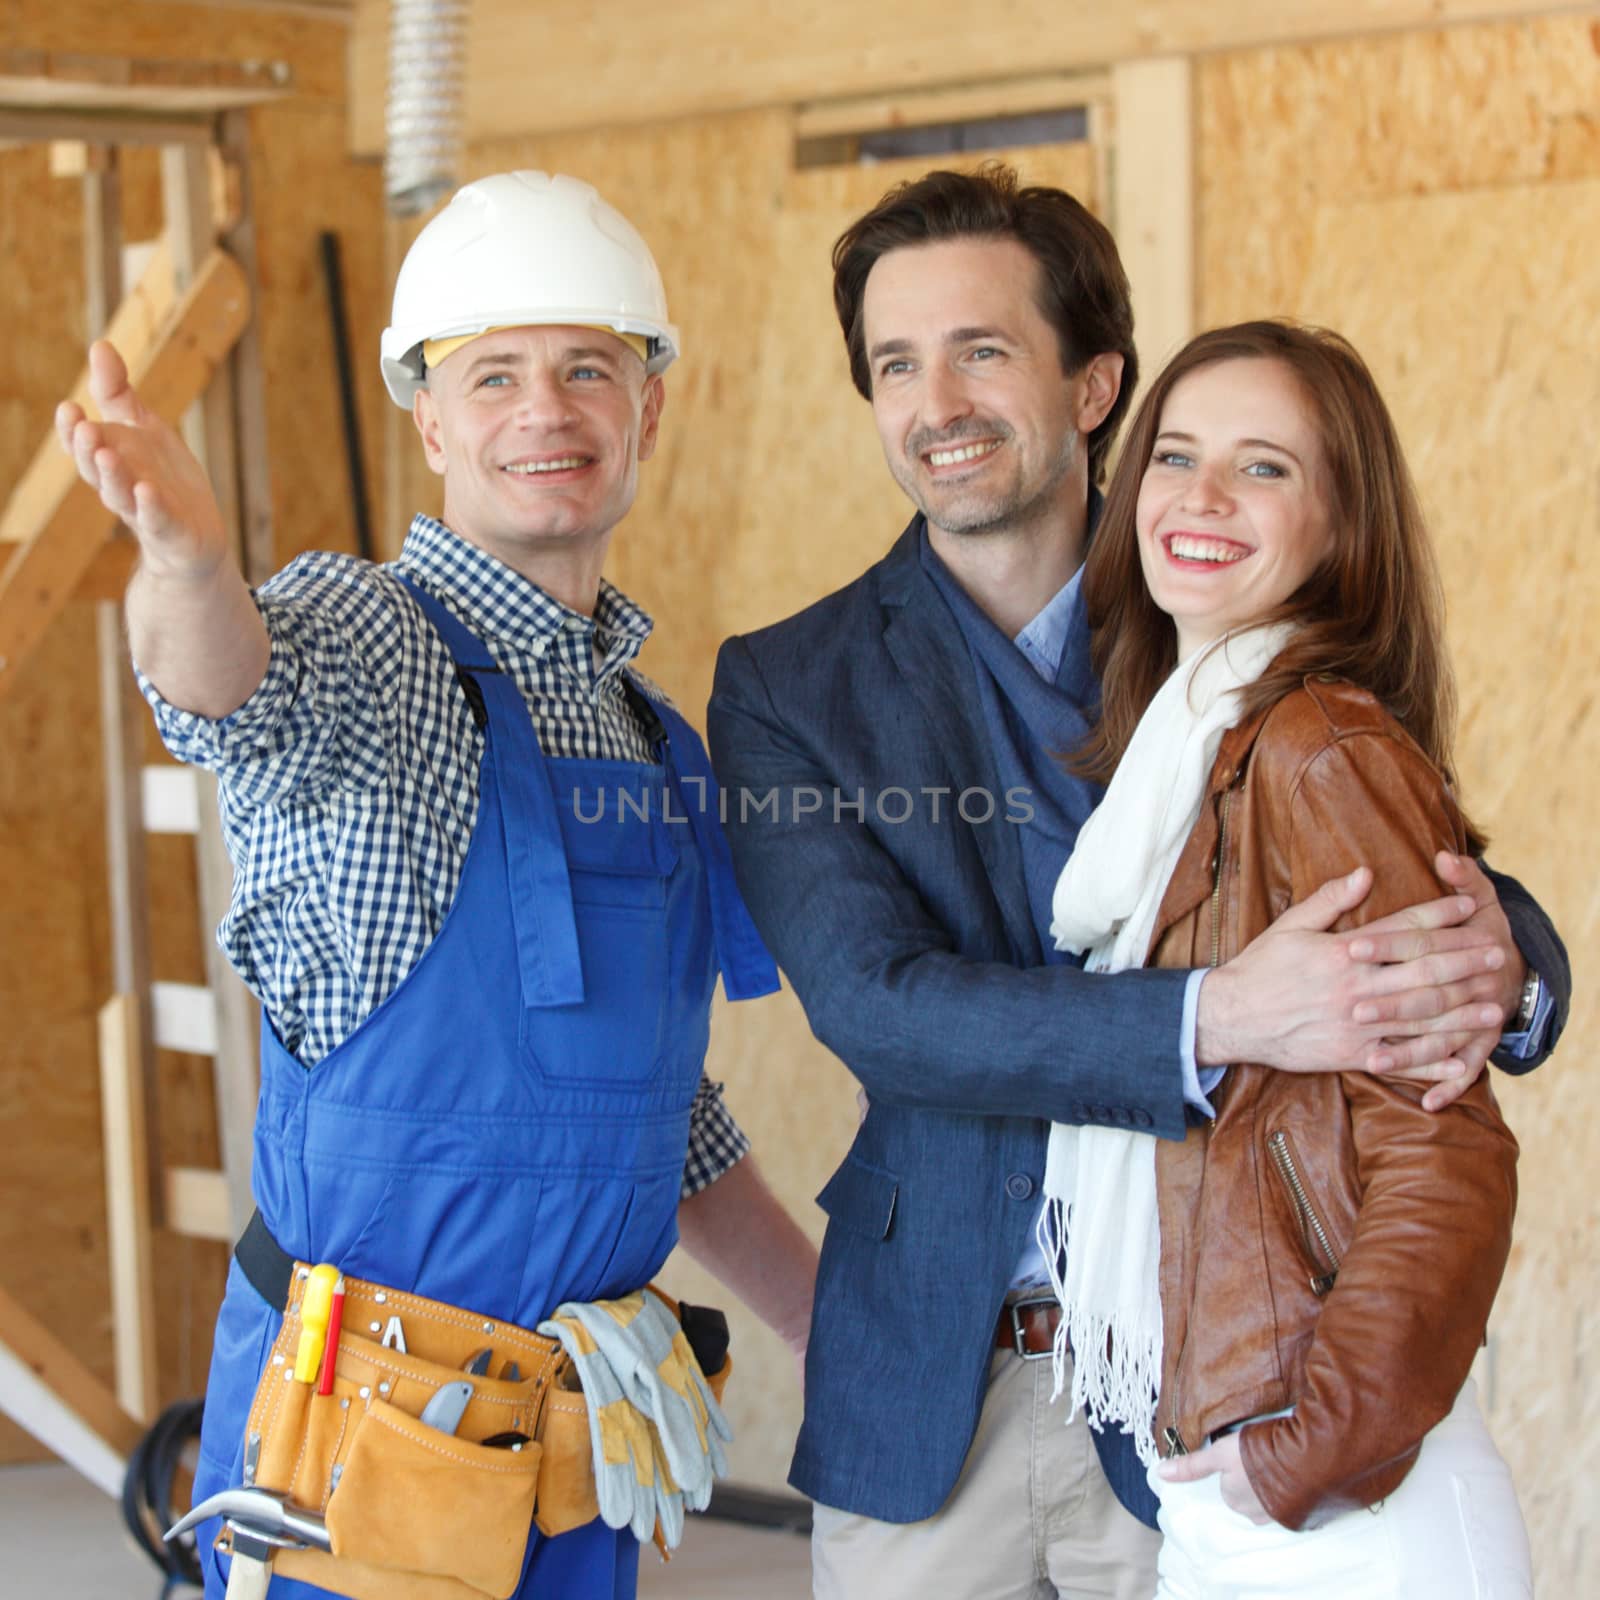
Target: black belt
{"type": "Point", "coordinates": [270, 1270]}
{"type": "Point", "coordinates": [268, 1266]}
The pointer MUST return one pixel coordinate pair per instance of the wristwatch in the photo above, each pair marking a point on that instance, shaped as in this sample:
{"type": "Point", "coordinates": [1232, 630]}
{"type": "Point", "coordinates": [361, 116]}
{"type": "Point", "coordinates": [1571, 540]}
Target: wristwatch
{"type": "Point", "coordinates": [1532, 991]}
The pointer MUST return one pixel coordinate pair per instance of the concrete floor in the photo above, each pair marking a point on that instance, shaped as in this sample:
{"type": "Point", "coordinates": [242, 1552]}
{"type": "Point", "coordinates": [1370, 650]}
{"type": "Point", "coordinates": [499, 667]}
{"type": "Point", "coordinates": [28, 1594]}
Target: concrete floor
{"type": "Point", "coordinates": [62, 1539]}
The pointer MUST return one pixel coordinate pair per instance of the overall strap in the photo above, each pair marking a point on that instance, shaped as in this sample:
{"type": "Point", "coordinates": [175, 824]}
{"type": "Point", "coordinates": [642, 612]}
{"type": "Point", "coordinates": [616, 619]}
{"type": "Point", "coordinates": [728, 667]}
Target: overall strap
{"type": "Point", "coordinates": [747, 969]}
{"type": "Point", "coordinates": [536, 860]}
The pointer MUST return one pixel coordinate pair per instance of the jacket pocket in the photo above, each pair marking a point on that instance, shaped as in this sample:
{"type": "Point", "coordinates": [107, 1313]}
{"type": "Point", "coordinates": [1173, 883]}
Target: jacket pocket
{"type": "Point", "coordinates": [1315, 1240]}
{"type": "Point", "coordinates": [861, 1198]}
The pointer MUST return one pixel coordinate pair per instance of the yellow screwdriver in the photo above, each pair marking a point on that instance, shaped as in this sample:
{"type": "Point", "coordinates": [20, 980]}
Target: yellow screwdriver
{"type": "Point", "coordinates": [316, 1304]}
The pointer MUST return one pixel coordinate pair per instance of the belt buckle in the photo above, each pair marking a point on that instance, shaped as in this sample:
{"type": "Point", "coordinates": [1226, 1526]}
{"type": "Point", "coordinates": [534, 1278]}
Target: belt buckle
{"type": "Point", "coordinates": [1016, 1327]}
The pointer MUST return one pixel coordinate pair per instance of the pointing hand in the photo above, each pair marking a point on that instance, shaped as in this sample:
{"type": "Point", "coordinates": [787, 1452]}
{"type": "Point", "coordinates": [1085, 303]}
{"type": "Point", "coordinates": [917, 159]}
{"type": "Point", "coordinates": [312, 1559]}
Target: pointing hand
{"type": "Point", "coordinates": [144, 473]}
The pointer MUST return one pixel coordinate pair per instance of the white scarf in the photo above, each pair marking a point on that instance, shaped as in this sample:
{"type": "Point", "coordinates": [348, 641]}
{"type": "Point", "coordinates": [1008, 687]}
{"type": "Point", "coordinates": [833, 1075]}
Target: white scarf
{"type": "Point", "coordinates": [1099, 1182]}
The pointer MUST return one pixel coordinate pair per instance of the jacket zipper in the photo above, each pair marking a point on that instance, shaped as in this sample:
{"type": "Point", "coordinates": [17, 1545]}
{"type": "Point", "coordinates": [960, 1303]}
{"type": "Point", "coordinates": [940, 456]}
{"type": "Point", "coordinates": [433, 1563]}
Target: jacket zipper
{"type": "Point", "coordinates": [1170, 1435]}
{"type": "Point", "coordinates": [1312, 1232]}
{"type": "Point", "coordinates": [1216, 887]}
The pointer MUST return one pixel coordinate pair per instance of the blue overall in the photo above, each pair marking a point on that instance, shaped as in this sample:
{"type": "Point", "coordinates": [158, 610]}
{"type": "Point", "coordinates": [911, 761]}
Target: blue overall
{"type": "Point", "coordinates": [508, 1129]}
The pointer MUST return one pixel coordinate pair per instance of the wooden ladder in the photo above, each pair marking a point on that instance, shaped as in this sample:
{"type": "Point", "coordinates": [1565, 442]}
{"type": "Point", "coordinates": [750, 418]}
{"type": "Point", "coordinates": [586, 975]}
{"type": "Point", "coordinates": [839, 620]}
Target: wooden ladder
{"type": "Point", "coordinates": [186, 329]}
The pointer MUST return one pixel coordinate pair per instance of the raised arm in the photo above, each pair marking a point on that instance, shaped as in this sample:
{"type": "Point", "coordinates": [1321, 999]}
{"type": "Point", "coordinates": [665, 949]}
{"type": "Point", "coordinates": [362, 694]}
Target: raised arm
{"type": "Point", "coordinates": [194, 628]}
{"type": "Point", "coordinates": [880, 977]}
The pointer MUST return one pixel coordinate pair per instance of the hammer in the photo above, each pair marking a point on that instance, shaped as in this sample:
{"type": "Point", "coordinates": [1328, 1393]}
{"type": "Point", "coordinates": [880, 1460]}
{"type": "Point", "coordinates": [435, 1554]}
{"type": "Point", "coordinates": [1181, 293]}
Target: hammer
{"type": "Point", "coordinates": [261, 1523]}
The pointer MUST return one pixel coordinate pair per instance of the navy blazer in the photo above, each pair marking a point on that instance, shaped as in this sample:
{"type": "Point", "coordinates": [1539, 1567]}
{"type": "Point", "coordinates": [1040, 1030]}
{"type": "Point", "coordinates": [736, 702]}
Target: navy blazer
{"type": "Point", "coordinates": [910, 943]}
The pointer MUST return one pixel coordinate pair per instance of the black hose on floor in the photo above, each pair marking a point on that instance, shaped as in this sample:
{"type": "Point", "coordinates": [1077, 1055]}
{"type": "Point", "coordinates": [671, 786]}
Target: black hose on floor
{"type": "Point", "coordinates": [147, 1494]}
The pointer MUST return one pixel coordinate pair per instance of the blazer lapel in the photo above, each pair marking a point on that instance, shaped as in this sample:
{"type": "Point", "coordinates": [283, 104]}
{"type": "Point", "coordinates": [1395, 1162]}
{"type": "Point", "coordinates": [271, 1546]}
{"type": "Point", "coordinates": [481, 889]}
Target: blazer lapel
{"type": "Point", "coordinates": [930, 654]}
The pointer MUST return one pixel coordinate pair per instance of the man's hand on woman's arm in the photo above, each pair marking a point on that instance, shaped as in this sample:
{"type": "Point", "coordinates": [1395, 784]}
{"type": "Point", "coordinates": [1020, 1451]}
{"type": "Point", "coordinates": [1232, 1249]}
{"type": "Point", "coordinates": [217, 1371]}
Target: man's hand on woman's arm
{"type": "Point", "coordinates": [1421, 994]}
{"type": "Point", "coordinates": [193, 625]}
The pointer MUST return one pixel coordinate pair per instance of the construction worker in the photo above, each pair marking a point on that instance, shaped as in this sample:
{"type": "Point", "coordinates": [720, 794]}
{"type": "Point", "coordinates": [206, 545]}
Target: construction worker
{"type": "Point", "coordinates": [480, 890]}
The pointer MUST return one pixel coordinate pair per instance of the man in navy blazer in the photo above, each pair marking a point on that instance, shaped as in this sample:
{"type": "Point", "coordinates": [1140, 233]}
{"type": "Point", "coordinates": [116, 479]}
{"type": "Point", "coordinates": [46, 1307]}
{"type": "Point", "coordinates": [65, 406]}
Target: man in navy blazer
{"type": "Point", "coordinates": [897, 818]}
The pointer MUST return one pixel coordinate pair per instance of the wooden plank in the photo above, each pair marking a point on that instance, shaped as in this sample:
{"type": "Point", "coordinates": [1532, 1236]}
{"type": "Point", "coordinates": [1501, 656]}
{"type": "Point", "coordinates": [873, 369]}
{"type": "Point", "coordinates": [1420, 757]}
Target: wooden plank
{"type": "Point", "coordinates": [122, 718]}
{"type": "Point", "coordinates": [125, 1136]}
{"type": "Point", "coordinates": [191, 231]}
{"type": "Point", "coordinates": [256, 548]}
{"type": "Point", "coordinates": [40, 125]}
{"type": "Point", "coordinates": [210, 428]}
{"type": "Point", "coordinates": [311, 40]}
{"type": "Point", "coordinates": [237, 1074]}
{"type": "Point", "coordinates": [184, 1016]}
{"type": "Point", "coordinates": [100, 168]}
{"type": "Point", "coordinates": [1152, 209]}
{"type": "Point", "coordinates": [72, 158]}
{"type": "Point", "coordinates": [135, 330]}
{"type": "Point", "coordinates": [57, 519]}
{"type": "Point", "coordinates": [619, 62]}
{"type": "Point", "coordinates": [1012, 97]}
{"type": "Point", "coordinates": [62, 78]}
{"type": "Point", "coordinates": [171, 799]}
{"type": "Point", "coordinates": [108, 574]}
{"type": "Point", "coordinates": [47, 1389]}
{"type": "Point", "coordinates": [197, 1205]}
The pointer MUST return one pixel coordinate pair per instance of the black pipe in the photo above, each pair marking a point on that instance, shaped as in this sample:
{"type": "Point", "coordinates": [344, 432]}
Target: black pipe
{"type": "Point", "coordinates": [333, 281]}
{"type": "Point", "coordinates": [760, 1508]}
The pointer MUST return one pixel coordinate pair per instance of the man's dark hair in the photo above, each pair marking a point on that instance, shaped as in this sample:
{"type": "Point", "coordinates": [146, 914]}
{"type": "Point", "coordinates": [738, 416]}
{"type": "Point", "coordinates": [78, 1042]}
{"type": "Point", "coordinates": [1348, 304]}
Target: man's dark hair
{"type": "Point", "coordinates": [1083, 289]}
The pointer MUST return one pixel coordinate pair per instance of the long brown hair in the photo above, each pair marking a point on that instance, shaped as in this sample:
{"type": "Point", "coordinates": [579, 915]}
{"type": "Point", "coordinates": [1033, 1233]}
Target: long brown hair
{"type": "Point", "coordinates": [1083, 291]}
{"type": "Point", "coordinates": [1373, 613]}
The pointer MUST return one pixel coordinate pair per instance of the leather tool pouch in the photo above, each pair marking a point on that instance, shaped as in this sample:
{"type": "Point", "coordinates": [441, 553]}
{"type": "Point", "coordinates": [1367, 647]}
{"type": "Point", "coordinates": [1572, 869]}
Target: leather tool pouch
{"type": "Point", "coordinates": [415, 1513]}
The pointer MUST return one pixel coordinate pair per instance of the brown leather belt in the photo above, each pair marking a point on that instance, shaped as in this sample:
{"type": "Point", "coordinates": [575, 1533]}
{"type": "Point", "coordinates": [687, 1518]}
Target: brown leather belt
{"type": "Point", "coordinates": [1029, 1327]}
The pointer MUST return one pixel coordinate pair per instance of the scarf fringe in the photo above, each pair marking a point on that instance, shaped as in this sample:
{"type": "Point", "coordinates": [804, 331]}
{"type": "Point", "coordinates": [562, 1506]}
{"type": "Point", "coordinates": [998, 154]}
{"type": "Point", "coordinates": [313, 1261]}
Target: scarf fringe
{"type": "Point", "coordinates": [1121, 1388]}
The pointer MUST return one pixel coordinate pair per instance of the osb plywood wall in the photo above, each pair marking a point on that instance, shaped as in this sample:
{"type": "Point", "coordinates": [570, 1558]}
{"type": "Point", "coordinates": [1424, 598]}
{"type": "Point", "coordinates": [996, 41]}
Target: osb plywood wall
{"type": "Point", "coordinates": [54, 940]}
{"type": "Point", "coordinates": [1437, 198]}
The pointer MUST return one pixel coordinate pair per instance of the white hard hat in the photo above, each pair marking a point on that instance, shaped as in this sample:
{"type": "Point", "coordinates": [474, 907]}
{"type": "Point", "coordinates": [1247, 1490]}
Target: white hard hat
{"type": "Point", "coordinates": [523, 249]}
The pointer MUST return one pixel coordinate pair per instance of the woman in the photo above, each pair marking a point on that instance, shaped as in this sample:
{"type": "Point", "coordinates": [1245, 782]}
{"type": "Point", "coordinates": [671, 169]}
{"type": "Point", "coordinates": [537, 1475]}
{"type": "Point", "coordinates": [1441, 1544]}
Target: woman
{"type": "Point", "coordinates": [1277, 710]}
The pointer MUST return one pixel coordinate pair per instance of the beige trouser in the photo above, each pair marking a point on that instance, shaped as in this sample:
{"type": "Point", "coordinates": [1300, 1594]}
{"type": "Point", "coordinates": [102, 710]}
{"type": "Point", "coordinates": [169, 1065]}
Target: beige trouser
{"type": "Point", "coordinates": [1031, 1517]}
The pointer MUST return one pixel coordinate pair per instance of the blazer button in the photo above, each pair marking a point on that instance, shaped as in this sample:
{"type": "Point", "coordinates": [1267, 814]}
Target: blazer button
{"type": "Point", "coordinates": [1019, 1186]}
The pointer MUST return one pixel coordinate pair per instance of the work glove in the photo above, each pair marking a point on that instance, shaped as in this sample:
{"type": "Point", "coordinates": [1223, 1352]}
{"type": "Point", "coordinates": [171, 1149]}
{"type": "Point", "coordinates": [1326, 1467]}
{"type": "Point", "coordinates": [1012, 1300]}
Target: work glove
{"type": "Point", "coordinates": [624, 1447]}
{"type": "Point", "coordinates": [646, 1350]}
{"type": "Point", "coordinates": [669, 1497]}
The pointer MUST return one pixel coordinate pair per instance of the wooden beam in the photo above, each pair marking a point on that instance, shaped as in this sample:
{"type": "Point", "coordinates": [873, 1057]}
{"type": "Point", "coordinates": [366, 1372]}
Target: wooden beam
{"type": "Point", "coordinates": [55, 518]}
{"type": "Point", "coordinates": [197, 1204]}
{"type": "Point", "coordinates": [135, 331]}
{"type": "Point", "coordinates": [1011, 97]}
{"type": "Point", "coordinates": [72, 158]}
{"type": "Point", "coordinates": [211, 429]}
{"type": "Point", "coordinates": [257, 553]}
{"type": "Point", "coordinates": [536, 67]}
{"type": "Point", "coordinates": [154, 32]}
{"type": "Point", "coordinates": [47, 1389]}
{"type": "Point", "coordinates": [61, 78]}
{"type": "Point", "coordinates": [124, 1134]}
{"type": "Point", "coordinates": [122, 718]}
{"type": "Point", "coordinates": [1152, 204]}
{"type": "Point", "coordinates": [34, 125]}
{"type": "Point", "coordinates": [107, 577]}
{"type": "Point", "coordinates": [317, 10]}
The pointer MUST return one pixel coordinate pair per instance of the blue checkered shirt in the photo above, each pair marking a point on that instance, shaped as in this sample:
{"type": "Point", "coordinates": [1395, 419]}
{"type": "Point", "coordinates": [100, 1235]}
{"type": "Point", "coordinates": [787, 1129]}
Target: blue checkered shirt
{"type": "Point", "coordinates": [349, 779]}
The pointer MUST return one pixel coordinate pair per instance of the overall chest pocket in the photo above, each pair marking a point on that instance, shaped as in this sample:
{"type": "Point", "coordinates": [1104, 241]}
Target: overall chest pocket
{"type": "Point", "coordinates": [620, 857]}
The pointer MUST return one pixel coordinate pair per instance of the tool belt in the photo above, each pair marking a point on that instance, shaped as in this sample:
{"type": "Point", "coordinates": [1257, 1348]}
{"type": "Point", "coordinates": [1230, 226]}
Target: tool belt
{"type": "Point", "coordinates": [413, 1512]}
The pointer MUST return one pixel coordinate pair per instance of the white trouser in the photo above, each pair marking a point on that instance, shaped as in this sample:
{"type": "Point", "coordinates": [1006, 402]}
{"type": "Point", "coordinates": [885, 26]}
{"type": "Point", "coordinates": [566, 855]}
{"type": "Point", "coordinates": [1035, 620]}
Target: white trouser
{"type": "Point", "coordinates": [1451, 1531]}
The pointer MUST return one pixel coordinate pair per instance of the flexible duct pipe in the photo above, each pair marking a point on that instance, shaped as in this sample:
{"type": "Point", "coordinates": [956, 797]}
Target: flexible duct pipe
{"type": "Point", "coordinates": [427, 66]}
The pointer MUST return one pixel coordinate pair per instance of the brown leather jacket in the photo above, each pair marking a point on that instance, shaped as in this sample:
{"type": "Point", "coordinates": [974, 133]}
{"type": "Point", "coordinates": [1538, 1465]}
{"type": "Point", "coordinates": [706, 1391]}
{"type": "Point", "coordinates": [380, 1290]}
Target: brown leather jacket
{"type": "Point", "coordinates": [1325, 1243]}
